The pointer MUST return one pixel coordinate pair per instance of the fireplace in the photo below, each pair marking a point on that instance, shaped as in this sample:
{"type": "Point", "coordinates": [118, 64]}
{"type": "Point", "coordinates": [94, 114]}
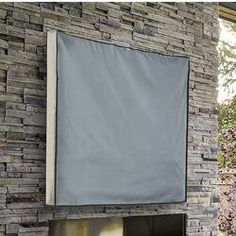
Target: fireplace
{"type": "Point", "coordinates": [162, 225]}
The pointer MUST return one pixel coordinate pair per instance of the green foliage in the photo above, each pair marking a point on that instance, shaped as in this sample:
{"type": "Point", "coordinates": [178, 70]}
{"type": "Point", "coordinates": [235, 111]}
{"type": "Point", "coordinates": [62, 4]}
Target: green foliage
{"type": "Point", "coordinates": [227, 133]}
{"type": "Point", "coordinates": [227, 144]}
{"type": "Point", "coordinates": [227, 55]}
{"type": "Point", "coordinates": [227, 114]}
{"type": "Point", "coordinates": [229, 25]}
{"type": "Point", "coordinates": [227, 110]}
{"type": "Point", "coordinates": [221, 160]}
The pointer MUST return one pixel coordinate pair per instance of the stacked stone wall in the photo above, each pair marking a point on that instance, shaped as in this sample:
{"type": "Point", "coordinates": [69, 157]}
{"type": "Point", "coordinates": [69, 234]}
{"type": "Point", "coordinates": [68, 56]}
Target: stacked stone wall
{"type": "Point", "coordinates": [189, 29]}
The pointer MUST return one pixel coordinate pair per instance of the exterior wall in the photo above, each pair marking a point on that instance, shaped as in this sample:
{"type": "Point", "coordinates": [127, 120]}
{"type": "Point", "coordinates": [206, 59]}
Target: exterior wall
{"type": "Point", "coordinates": [177, 29]}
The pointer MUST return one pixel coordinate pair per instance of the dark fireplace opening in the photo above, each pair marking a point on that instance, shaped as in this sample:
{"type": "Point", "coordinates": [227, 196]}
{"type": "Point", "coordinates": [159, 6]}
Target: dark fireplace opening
{"type": "Point", "coordinates": [161, 225]}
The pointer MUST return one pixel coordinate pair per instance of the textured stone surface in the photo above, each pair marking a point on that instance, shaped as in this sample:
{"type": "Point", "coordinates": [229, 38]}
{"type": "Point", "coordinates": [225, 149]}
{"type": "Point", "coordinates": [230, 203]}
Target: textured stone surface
{"type": "Point", "coordinates": [172, 28]}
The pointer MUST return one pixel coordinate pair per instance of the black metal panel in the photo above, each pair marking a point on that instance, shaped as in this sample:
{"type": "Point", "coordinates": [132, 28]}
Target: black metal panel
{"type": "Point", "coordinates": [138, 225]}
{"type": "Point", "coordinates": [163, 225]}
{"type": "Point", "coordinates": [169, 225]}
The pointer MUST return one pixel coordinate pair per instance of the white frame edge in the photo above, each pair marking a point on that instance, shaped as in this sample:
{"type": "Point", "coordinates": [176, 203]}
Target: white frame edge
{"type": "Point", "coordinates": [51, 117]}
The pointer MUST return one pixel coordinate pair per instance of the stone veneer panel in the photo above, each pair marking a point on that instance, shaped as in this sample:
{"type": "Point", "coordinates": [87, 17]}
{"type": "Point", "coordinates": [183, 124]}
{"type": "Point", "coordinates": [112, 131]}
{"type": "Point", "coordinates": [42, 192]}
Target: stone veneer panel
{"type": "Point", "coordinates": [172, 28]}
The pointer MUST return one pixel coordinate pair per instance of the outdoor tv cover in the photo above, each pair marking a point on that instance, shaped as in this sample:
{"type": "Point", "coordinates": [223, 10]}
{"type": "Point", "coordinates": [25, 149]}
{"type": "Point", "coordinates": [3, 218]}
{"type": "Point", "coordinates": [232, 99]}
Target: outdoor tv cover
{"type": "Point", "coordinates": [116, 124]}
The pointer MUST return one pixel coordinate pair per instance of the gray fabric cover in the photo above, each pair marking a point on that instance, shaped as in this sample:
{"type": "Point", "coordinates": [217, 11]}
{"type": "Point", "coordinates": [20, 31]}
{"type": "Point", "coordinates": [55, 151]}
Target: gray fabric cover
{"type": "Point", "coordinates": [121, 125]}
